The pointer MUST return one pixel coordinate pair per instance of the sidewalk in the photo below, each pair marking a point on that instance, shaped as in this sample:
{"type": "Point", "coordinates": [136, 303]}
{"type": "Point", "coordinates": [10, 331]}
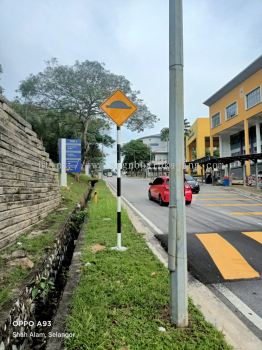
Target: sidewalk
{"type": "Point", "coordinates": [246, 191]}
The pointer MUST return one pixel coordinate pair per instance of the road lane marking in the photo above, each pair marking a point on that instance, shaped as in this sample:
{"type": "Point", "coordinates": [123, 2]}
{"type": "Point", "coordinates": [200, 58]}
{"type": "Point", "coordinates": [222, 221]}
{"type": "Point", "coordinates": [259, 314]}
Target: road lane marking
{"type": "Point", "coordinates": [239, 305]}
{"type": "Point", "coordinates": [257, 236]}
{"type": "Point", "coordinates": [231, 264]}
{"type": "Point", "coordinates": [246, 213]}
{"type": "Point", "coordinates": [224, 199]}
{"type": "Point", "coordinates": [218, 193]}
{"type": "Point", "coordinates": [233, 205]}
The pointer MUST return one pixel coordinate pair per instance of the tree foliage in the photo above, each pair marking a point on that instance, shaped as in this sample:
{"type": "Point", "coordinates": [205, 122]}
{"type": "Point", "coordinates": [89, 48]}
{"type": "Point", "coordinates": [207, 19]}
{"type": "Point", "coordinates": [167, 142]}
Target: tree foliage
{"type": "Point", "coordinates": [50, 125]}
{"type": "Point", "coordinates": [164, 133]}
{"type": "Point", "coordinates": [136, 151]}
{"type": "Point", "coordinates": [1, 71]}
{"type": "Point", "coordinates": [79, 90]}
{"type": "Point", "coordinates": [186, 127]}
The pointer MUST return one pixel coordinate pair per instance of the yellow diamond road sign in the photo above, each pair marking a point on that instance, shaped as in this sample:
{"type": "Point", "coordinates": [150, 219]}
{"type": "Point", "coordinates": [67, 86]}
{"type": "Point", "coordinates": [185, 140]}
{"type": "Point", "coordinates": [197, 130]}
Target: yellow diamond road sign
{"type": "Point", "coordinates": [118, 107]}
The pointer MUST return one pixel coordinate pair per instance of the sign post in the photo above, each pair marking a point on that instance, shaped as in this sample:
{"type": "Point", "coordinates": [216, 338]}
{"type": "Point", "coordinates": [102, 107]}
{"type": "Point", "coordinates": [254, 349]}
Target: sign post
{"type": "Point", "coordinates": [177, 239]}
{"type": "Point", "coordinates": [119, 108]}
{"type": "Point", "coordinates": [119, 229]}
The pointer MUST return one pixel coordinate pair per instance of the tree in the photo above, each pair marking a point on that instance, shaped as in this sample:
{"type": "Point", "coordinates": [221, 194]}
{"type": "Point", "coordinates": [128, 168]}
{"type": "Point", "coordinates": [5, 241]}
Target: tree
{"type": "Point", "coordinates": [164, 133]}
{"type": "Point", "coordinates": [136, 151]}
{"type": "Point", "coordinates": [50, 125]}
{"type": "Point", "coordinates": [186, 127]}
{"type": "Point", "coordinates": [79, 90]}
{"type": "Point", "coordinates": [1, 71]}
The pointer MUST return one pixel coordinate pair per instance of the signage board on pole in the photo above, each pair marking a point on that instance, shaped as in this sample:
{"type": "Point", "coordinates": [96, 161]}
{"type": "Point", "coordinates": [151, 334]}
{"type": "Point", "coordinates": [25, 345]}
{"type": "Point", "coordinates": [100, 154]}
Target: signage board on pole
{"type": "Point", "coordinates": [119, 108]}
{"type": "Point", "coordinates": [73, 155]}
{"type": "Point", "coordinates": [69, 158]}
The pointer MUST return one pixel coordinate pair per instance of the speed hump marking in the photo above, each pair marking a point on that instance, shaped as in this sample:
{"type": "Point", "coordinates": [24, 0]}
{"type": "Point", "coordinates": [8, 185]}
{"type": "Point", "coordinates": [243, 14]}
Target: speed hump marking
{"type": "Point", "coordinates": [118, 107]}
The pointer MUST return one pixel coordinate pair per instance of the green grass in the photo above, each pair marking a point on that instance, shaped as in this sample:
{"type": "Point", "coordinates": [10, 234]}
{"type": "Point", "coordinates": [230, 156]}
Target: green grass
{"type": "Point", "coordinates": [12, 277]}
{"type": "Point", "coordinates": [122, 298]}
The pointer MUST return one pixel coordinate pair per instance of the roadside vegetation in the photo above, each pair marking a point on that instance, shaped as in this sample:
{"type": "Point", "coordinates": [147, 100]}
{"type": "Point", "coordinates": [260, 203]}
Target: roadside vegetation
{"type": "Point", "coordinates": [18, 259]}
{"type": "Point", "coordinates": [63, 101]}
{"type": "Point", "coordinates": [122, 299]}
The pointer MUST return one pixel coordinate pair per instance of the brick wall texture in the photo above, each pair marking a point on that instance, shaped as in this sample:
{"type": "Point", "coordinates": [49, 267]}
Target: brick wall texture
{"type": "Point", "coordinates": [29, 187]}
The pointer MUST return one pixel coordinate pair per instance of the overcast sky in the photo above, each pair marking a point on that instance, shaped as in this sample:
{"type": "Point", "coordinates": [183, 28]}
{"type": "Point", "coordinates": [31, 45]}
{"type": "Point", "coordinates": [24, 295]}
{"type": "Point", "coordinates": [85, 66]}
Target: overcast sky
{"type": "Point", "coordinates": [221, 37]}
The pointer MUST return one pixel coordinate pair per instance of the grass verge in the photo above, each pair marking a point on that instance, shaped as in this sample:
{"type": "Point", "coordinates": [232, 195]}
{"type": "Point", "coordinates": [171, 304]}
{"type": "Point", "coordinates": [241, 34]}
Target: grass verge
{"type": "Point", "coordinates": [122, 298]}
{"type": "Point", "coordinates": [11, 277]}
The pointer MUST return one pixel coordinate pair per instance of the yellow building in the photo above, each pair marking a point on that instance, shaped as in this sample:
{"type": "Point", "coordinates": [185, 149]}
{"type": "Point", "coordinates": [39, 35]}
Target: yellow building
{"type": "Point", "coordinates": [198, 141]}
{"type": "Point", "coordinates": [235, 113]}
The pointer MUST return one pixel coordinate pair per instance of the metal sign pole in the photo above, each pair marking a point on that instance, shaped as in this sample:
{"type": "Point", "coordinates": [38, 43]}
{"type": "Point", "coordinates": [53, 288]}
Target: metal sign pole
{"type": "Point", "coordinates": [177, 245]}
{"type": "Point", "coordinates": [119, 246]}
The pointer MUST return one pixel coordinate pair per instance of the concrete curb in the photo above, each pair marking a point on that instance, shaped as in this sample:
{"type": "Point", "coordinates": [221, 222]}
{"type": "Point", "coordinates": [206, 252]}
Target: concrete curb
{"type": "Point", "coordinates": [59, 322]}
{"type": "Point", "coordinates": [213, 309]}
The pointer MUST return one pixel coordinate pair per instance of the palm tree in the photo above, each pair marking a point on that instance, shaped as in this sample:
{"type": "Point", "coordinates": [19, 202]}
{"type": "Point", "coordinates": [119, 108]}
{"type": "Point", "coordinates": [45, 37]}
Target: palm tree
{"type": "Point", "coordinates": [186, 127]}
{"type": "Point", "coordinates": [164, 133]}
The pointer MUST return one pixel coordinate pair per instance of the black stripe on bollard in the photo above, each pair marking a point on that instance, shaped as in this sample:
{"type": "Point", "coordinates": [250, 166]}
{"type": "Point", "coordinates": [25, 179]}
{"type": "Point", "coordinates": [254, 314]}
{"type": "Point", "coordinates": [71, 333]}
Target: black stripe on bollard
{"type": "Point", "coordinates": [118, 187]}
{"type": "Point", "coordinates": [119, 222]}
{"type": "Point", "coordinates": [118, 154]}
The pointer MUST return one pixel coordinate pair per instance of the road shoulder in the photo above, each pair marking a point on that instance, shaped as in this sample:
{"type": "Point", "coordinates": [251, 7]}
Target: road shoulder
{"type": "Point", "coordinates": [213, 309]}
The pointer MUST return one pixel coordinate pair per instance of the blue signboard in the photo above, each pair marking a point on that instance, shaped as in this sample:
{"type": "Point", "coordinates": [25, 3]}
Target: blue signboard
{"type": "Point", "coordinates": [73, 155]}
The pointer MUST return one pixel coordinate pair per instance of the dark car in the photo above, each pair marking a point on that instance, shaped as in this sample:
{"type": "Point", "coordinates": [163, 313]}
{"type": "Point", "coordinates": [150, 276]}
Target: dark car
{"type": "Point", "coordinates": [193, 183]}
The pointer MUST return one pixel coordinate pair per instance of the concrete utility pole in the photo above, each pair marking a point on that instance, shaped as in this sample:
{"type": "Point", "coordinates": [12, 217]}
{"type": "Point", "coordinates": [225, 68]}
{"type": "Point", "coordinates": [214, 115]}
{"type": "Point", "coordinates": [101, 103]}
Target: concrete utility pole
{"type": "Point", "coordinates": [177, 245]}
{"type": "Point", "coordinates": [63, 175]}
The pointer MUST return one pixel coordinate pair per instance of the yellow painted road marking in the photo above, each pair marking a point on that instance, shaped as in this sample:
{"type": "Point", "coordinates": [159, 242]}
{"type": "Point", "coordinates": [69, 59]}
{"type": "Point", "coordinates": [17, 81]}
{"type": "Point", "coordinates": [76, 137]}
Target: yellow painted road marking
{"type": "Point", "coordinates": [233, 205]}
{"type": "Point", "coordinates": [257, 236]}
{"type": "Point", "coordinates": [224, 199]}
{"type": "Point", "coordinates": [231, 264]}
{"type": "Point", "coordinates": [248, 213]}
{"type": "Point", "coordinates": [213, 194]}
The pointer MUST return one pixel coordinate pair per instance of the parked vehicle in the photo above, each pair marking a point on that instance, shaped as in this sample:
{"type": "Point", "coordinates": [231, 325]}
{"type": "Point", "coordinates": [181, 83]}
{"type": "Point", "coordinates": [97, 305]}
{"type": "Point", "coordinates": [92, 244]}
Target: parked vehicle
{"type": "Point", "coordinates": [159, 190]}
{"type": "Point", "coordinates": [193, 183]}
{"type": "Point", "coordinates": [107, 172]}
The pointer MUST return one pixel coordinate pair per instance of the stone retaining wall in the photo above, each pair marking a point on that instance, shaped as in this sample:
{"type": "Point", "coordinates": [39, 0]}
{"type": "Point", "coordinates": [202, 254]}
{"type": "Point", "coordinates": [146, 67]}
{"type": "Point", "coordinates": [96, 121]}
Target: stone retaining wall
{"type": "Point", "coordinates": [16, 333]}
{"type": "Point", "coordinates": [29, 187]}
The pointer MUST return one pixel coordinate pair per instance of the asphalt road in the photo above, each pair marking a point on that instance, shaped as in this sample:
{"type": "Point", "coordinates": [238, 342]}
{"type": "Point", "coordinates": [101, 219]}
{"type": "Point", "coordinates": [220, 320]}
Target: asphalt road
{"type": "Point", "coordinates": [224, 242]}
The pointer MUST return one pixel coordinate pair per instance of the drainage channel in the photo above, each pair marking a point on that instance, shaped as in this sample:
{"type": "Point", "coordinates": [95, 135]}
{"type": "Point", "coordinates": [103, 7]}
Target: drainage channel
{"type": "Point", "coordinates": [47, 303]}
{"type": "Point", "coordinates": [28, 319]}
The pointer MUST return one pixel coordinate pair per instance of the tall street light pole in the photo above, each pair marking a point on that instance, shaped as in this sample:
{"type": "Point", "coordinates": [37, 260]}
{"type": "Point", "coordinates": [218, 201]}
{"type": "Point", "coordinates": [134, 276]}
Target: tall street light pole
{"type": "Point", "coordinates": [177, 245]}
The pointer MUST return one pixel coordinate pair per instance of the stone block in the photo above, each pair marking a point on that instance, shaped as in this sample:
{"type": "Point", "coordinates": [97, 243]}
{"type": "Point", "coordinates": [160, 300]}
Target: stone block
{"type": "Point", "coordinates": [29, 180]}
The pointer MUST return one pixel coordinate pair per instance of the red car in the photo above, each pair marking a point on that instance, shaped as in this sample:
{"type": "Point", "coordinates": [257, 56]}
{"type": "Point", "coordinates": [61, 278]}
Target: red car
{"type": "Point", "coordinates": [159, 190]}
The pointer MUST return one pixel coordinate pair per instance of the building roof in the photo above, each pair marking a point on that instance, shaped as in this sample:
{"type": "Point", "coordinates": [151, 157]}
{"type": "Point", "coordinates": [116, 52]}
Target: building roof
{"type": "Point", "coordinates": [146, 137]}
{"type": "Point", "coordinates": [246, 73]}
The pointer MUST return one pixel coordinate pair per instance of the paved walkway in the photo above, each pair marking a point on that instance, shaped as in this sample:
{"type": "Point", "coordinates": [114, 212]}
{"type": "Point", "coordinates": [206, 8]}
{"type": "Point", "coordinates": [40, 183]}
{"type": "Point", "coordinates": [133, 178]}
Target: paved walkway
{"type": "Point", "coordinates": [244, 190]}
{"type": "Point", "coordinates": [247, 190]}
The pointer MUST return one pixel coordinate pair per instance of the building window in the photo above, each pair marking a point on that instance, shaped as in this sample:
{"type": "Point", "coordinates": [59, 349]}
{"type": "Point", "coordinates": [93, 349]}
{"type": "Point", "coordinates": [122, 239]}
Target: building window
{"type": "Point", "coordinates": [231, 111]}
{"type": "Point", "coordinates": [154, 144]}
{"type": "Point", "coordinates": [253, 98]}
{"type": "Point", "coordinates": [215, 120]}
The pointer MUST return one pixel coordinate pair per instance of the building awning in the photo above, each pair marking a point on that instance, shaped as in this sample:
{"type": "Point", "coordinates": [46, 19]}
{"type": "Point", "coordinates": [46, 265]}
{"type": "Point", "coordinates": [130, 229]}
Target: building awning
{"type": "Point", "coordinates": [226, 160]}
